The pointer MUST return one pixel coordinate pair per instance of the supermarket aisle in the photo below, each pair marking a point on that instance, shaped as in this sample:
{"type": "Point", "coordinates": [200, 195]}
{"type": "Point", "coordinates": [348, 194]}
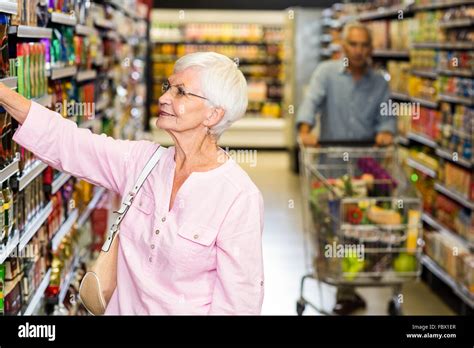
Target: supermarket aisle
{"type": "Point", "coordinates": [284, 251]}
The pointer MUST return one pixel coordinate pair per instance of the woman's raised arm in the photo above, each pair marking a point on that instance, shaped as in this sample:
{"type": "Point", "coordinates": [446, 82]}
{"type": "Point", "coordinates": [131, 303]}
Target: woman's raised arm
{"type": "Point", "coordinates": [58, 142]}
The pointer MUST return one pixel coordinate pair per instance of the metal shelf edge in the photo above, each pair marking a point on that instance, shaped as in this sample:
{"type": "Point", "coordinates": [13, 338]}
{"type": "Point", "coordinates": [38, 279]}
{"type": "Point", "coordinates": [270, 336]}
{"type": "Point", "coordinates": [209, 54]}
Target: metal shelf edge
{"type": "Point", "coordinates": [35, 170]}
{"type": "Point", "coordinates": [39, 293]}
{"type": "Point", "coordinates": [33, 226]}
{"type": "Point", "coordinates": [63, 230]}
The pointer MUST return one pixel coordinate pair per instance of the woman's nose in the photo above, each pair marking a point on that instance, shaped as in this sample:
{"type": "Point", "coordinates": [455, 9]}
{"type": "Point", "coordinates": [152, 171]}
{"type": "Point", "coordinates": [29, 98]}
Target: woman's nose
{"type": "Point", "coordinates": [165, 97]}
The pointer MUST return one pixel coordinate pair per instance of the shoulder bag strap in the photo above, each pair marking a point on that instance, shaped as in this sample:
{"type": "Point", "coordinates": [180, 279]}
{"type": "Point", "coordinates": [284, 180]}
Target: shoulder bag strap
{"type": "Point", "coordinates": [127, 201]}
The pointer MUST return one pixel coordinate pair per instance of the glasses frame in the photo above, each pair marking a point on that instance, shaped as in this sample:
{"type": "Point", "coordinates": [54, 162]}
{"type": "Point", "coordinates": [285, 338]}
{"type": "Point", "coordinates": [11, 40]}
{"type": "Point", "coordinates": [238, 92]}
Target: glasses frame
{"type": "Point", "coordinates": [166, 86]}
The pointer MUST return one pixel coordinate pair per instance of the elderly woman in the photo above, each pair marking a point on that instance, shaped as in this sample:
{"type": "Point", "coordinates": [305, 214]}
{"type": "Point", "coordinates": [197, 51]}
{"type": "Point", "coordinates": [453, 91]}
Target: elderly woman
{"type": "Point", "coordinates": [191, 243]}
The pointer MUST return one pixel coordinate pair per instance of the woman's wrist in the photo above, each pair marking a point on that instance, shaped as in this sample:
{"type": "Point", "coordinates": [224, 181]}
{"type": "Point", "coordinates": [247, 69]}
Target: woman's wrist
{"type": "Point", "coordinates": [15, 104]}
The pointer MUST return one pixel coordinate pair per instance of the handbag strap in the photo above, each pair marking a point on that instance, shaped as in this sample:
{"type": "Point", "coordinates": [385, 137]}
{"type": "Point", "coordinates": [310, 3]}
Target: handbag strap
{"type": "Point", "coordinates": [128, 199]}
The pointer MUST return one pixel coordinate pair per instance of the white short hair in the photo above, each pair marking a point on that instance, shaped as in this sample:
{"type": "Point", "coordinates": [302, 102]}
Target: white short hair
{"type": "Point", "coordinates": [221, 82]}
{"type": "Point", "coordinates": [356, 25]}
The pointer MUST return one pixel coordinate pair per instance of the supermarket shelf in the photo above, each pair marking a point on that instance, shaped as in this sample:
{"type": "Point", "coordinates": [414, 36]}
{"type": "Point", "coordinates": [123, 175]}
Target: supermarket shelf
{"type": "Point", "coordinates": [60, 73]}
{"type": "Point", "coordinates": [31, 173]}
{"type": "Point", "coordinates": [9, 6]}
{"type": "Point", "coordinates": [68, 279]}
{"type": "Point", "coordinates": [10, 82]}
{"type": "Point", "coordinates": [400, 96]}
{"type": "Point", "coordinates": [104, 23]}
{"type": "Point", "coordinates": [457, 23]}
{"type": "Point", "coordinates": [428, 219]}
{"type": "Point", "coordinates": [457, 72]}
{"type": "Point", "coordinates": [430, 74]}
{"type": "Point", "coordinates": [63, 18]}
{"type": "Point", "coordinates": [64, 230]}
{"type": "Point", "coordinates": [10, 169]}
{"type": "Point", "coordinates": [85, 30]}
{"type": "Point", "coordinates": [445, 45]}
{"type": "Point", "coordinates": [59, 182]}
{"type": "Point", "coordinates": [460, 290]}
{"type": "Point", "coordinates": [34, 225]}
{"type": "Point", "coordinates": [85, 75]}
{"type": "Point", "coordinates": [403, 141]}
{"type": "Point", "coordinates": [424, 102]}
{"type": "Point", "coordinates": [434, 5]}
{"type": "Point", "coordinates": [422, 139]}
{"type": "Point", "coordinates": [465, 202]}
{"type": "Point", "coordinates": [45, 100]}
{"type": "Point", "coordinates": [382, 13]}
{"type": "Point", "coordinates": [25, 31]}
{"type": "Point", "coordinates": [421, 167]}
{"type": "Point", "coordinates": [128, 12]}
{"type": "Point", "coordinates": [6, 250]}
{"type": "Point", "coordinates": [390, 54]}
{"type": "Point", "coordinates": [449, 156]}
{"type": "Point", "coordinates": [456, 99]}
{"type": "Point", "coordinates": [39, 293]}
{"type": "Point", "coordinates": [92, 204]}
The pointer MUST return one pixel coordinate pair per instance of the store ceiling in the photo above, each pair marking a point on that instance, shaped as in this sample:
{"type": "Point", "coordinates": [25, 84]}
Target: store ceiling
{"type": "Point", "coordinates": [242, 4]}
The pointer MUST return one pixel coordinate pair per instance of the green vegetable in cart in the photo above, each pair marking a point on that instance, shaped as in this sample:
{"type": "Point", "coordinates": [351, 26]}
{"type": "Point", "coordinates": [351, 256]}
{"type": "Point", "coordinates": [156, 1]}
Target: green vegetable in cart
{"type": "Point", "coordinates": [405, 263]}
{"type": "Point", "coordinates": [351, 265]}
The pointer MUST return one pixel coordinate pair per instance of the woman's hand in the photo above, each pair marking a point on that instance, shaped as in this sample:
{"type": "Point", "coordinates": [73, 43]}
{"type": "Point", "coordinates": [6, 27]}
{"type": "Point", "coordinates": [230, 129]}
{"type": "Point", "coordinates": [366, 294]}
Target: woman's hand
{"type": "Point", "coordinates": [15, 104]}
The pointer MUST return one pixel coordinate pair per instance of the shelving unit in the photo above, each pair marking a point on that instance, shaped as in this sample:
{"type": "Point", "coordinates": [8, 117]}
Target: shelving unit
{"type": "Point", "coordinates": [24, 31]}
{"type": "Point", "coordinates": [61, 73]}
{"type": "Point", "coordinates": [39, 293]}
{"type": "Point", "coordinates": [10, 82]}
{"type": "Point", "coordinates": [59, 182]}
{"type": "Point", "coordinates": [93, 203]}
{"type": "Point", "coordinates": [63, 18]}
{"type": "Point", "coordinates": [7, 6]}
{"type": "Point", "coordinates": [10, 170]}
{"type": "Point", "coordinates": [34, 225]}
{"type": "Point", "coordinates": [114, 112]}
{"type": "Point", "coordinates": [31, 173]}
{"type": "Point", "coordinates": [64, 230]}
{"type": "Point", "coordinates": [460, 291]}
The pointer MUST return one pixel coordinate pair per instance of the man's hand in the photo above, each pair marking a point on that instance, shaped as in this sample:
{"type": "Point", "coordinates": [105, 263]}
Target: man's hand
{"type": "Point", "coordinates": [384, 139]}
{"type": "Point", "coordinates": [309, 139]}
{"type": "Point", "coordinates": [306, 137]}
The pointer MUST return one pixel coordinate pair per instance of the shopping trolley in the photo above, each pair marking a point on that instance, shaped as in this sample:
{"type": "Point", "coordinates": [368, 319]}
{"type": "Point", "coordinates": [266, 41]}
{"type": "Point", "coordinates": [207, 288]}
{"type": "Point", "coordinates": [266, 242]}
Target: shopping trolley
{"type": "Point", "coordinates": [362, 221]}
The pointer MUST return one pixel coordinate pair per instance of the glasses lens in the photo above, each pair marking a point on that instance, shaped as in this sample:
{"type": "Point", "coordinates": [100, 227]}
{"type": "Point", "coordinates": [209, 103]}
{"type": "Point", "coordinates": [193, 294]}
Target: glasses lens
{"type": "Point", "coordinates": [165, 87]}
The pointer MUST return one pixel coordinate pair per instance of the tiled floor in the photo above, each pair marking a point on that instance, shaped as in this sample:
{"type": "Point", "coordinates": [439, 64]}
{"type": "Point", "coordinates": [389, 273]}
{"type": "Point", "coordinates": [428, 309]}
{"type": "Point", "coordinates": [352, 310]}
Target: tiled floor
{"type": "Point", "coordinates": [284, 250]}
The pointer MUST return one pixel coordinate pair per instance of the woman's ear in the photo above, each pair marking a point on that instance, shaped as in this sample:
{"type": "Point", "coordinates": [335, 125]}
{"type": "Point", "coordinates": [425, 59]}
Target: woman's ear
{"type": "Point", "coordinates": [215, 117]}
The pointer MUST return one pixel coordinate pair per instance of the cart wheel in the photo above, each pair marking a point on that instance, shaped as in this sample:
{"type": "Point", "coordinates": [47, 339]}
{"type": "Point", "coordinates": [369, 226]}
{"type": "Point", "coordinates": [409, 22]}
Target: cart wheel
{"type": "Point", "coordinates": [394, 308]}
{"type": "Point", "coordinates": [300, 307]}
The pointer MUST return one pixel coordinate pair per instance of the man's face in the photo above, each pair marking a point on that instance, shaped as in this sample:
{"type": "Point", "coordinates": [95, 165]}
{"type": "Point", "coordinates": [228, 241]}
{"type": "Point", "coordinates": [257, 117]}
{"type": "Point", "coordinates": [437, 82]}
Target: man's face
{"type": "Point", "coordinates": [357, 47]}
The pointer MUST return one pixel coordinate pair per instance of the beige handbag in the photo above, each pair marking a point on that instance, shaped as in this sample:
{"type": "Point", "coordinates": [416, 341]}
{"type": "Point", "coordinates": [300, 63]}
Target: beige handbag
{"type": "Point", "coordinates": [99, 283]}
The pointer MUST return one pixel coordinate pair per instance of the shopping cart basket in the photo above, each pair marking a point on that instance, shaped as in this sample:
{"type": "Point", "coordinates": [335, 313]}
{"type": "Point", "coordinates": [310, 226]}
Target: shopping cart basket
{"type": "Point", "coordinates": [362, 221]}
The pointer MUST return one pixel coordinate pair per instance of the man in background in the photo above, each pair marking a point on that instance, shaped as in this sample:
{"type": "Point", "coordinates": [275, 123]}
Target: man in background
{"type": "Point", "coordinates": [348, 95]}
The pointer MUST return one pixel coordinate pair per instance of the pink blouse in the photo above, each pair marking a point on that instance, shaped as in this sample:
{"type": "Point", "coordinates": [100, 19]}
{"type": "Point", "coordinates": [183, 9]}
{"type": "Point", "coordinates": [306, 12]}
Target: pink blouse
{"type": "Point", "coordinates": [202, 257]}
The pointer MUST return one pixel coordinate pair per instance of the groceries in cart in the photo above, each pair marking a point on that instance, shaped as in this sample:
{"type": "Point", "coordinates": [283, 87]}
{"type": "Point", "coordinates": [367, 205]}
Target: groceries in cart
{"type": "Point", "coordinates": [358, 202]}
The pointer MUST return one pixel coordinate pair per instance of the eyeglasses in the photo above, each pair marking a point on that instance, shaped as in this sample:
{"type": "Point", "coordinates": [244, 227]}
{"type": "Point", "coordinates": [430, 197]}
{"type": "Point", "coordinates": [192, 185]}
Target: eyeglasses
{"type": "Point", "coordinates": [177, 91]}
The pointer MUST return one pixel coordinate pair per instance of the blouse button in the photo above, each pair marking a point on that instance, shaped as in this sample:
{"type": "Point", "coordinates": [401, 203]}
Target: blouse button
{"type": "Point", "coordinates": [196, 236]}
{"type": "Point", "coordinates": [157, 232]}
{"type": "Point", "coordinates": [163, 219]}
{"type": "Point", "coordinates": [152, 246]}
{"type": "Point", "coordinates": [150, 259]}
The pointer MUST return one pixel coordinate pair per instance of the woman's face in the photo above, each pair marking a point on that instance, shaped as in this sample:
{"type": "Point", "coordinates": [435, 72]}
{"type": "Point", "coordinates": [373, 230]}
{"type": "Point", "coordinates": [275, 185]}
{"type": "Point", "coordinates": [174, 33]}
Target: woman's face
{"type": "Point", "coordinates": [186, 112]}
